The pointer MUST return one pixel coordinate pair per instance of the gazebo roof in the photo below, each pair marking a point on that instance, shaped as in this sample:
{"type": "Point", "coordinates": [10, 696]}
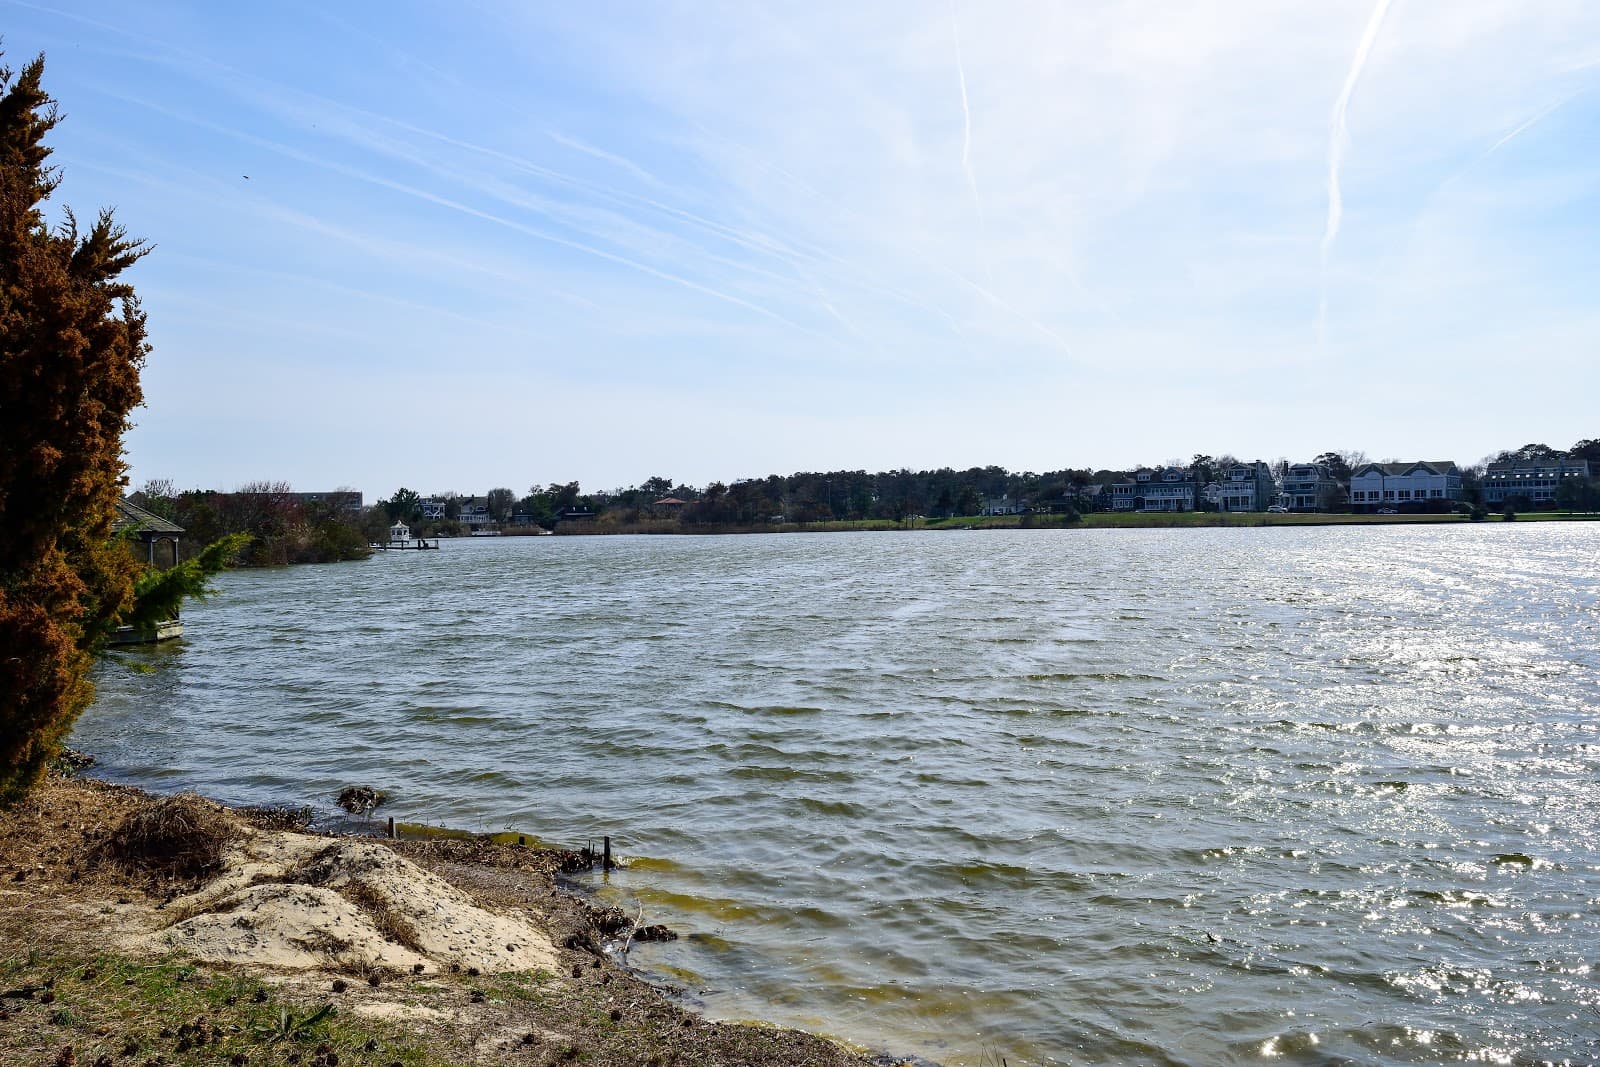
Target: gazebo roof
{"type": "Point", "coordinates": [133, 517]}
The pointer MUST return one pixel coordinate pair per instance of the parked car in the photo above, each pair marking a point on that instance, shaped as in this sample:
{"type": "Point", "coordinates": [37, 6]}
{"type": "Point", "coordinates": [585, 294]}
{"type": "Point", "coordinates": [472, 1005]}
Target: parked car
{"type": "Point", "coordinates": [1277, 509]}
{"type": "Point", "coordinates": [1387, 511]}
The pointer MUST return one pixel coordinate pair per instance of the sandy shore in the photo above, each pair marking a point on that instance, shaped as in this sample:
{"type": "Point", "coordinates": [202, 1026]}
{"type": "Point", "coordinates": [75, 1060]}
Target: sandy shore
{"type": "Point", "coordinates": [251, 941]}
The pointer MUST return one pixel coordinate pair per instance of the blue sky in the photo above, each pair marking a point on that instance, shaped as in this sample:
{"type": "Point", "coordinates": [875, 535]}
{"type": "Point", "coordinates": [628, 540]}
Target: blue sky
{"type": "Point", "coordinates": [505, 244]}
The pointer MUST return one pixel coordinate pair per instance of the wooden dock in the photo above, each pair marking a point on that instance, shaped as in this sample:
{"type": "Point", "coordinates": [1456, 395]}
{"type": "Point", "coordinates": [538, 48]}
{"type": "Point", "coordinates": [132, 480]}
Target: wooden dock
{"type": "Point", "coordinates": [165, 630]}
{"type": "Point", "coordinates": [411, 544]}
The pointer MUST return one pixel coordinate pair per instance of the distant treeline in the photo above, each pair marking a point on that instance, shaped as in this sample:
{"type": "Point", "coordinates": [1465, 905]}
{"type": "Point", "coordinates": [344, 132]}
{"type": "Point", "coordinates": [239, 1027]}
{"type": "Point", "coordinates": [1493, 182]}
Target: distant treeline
{"type": "Point", "coordinates": [805, 497]}
{"type": "Point", "coordinates": [283, 528]}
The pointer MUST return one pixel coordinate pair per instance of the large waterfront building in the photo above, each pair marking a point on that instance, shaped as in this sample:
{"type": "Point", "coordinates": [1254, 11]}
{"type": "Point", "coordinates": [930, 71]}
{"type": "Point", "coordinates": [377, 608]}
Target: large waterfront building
{"type": "Point", "coordinates": [1168, 489]}
{"type": "Point", "coordinates": [1532, 481]}
{"type": "Point", "coordinates": [1377, 486]}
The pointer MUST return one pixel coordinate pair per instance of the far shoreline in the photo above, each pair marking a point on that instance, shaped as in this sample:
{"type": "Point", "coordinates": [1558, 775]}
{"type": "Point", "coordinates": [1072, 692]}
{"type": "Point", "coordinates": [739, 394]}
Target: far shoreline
{"type": "Point", "coordinates": [1092, 521]}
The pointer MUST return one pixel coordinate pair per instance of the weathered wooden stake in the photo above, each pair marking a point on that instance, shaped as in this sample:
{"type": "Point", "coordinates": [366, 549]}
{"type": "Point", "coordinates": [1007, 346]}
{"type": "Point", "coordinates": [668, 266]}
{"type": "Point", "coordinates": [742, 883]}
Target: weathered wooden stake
{"type": "Point", "coordinates": [521, 840]}
{"type": "Point", "coordinates": [605, 864]}
{"type": "Point", "coordinates": [391, 827]}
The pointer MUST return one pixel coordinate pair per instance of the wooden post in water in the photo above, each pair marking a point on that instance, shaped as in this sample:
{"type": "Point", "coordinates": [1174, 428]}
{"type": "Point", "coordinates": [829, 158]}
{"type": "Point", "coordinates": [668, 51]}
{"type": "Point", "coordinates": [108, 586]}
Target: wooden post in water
{"type": "Point", "coordinates": [391, 828]}
{"type": "Point", "coordinates": [605, 864]}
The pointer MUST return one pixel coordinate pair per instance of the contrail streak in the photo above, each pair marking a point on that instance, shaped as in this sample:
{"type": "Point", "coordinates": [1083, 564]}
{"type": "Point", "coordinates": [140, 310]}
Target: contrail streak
{"type": "Point", "coordinates": [1537, 118]}
{"type": "Point", "coordinates": [1009, 310]}
{"type": "Point", "coordinates": [966, 121]}
{"type": "Point", "coordinates": [1338, 135]}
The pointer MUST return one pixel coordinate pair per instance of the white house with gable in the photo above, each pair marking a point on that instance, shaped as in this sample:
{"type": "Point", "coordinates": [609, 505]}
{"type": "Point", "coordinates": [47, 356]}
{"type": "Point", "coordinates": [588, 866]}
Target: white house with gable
{"type": "Point", "coordinates": [1408, 486]}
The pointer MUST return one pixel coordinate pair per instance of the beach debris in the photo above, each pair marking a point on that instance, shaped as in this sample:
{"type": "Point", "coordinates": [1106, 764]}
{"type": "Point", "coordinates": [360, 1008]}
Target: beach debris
{"type": "Point", "coordinates": [72, 760]}
{"type": "Point", "coordinates": [278, 817]}
{"type": "Point", "coordinates": [360, 799]}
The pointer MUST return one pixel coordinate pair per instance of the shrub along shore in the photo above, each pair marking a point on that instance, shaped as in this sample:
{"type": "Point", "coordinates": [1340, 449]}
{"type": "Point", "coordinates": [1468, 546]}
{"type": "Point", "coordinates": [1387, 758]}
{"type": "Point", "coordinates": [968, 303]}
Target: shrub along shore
{"type": "Point", "coordinates": [174, 931]}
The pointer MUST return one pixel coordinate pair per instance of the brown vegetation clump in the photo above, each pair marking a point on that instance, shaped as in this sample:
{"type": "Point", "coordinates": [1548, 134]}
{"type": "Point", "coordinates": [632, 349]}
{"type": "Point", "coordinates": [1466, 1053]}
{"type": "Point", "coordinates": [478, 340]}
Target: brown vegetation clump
{"type": "Point", "coordinates": [181, 837]}
{"type": "Point", "coordinates": [360, 799]}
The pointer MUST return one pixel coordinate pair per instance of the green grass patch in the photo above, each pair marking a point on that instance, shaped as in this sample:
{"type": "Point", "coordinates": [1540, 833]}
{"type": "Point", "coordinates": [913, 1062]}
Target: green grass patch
{"type": "Point", "coordinates": [164, 1010]}
{"type": "Point", "coordinates": [1550, 516]}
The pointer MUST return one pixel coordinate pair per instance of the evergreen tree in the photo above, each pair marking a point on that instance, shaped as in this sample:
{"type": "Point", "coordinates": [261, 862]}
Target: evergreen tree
{"type": "Point", "coordinates": [72, 341]}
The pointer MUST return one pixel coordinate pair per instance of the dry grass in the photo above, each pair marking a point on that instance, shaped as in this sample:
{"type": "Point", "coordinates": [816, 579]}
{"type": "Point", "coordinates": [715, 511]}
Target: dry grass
{"type": "Point", "coordinates": [180, 838]}
{"type": "Point", "coordinates": [390, 923]}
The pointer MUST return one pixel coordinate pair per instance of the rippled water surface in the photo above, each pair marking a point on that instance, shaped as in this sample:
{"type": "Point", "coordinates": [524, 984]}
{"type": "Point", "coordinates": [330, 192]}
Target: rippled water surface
{"type": "Point", "coordinates": [1312, 795]}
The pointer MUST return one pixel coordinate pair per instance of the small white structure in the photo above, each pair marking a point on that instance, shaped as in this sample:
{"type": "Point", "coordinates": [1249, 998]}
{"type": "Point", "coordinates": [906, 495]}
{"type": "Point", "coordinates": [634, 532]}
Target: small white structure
{"type": "Point", "coordinates": [400, 537]}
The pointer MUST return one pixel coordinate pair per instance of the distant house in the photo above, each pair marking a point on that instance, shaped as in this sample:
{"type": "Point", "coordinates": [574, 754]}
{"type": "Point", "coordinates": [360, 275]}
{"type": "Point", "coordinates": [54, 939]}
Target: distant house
{"type": "Point", "coordinates": [574, 514]}
{"type": "Point", "coordinates": [1309, 487]}
{"type": "Point", "coordinates": [1535, 481]}
{"type": "Point", "coordinates": [1002, 505]}
{"type": "Point", "coordinates": [668, 505]}
{"type": "Point", "coordinates": [1167, 489]}
{"type": "Point", "coordinates": [431, 508]}
{"type": "Point", "coordinates": [157, 537]}
{"type": "Point", "coordinates": [1411, 486]}
{"type": "Point", "coordinates": [1091, 497]}
{"type": "Point", "coordinates": [474, 514]}
{"type": "Point", "coordinates": [1243, 487]}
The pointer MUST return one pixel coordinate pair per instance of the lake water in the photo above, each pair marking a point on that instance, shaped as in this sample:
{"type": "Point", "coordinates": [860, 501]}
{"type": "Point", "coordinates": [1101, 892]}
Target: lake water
{"type": "Point", "coordinates": [1291, 795]}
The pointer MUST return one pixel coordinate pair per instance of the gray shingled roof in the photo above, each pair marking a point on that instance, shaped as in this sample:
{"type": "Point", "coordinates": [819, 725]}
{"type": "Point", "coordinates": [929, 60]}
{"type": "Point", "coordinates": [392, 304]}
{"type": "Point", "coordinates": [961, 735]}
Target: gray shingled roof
{"type": "Point", "coordinates": [133, 517]}
{"type": "Point", "coordinates": [1444, 466]}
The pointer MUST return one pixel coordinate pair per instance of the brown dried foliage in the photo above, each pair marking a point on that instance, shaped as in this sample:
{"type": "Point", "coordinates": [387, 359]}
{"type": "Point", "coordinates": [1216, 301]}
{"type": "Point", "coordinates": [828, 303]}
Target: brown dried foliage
{"type": "Point", "coordinates": [72, 341]}
{"type": "Point", "coordinates": [181, 837]}
{"type": "Point", "coordinates": [384, 915]}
